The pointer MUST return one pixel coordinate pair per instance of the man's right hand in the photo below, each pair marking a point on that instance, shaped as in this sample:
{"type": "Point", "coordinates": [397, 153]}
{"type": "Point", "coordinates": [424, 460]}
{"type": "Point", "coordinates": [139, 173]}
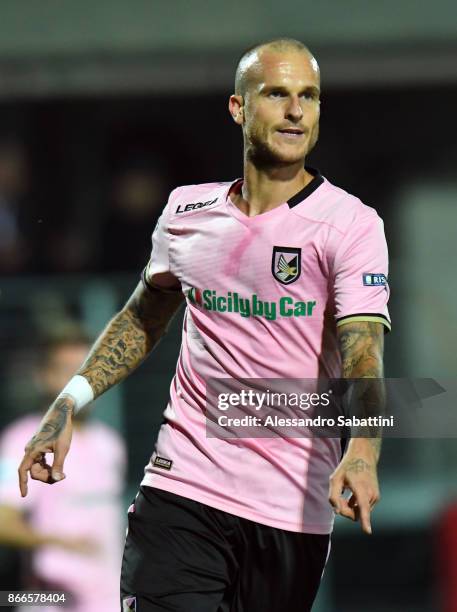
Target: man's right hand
{"type": "Point", "coordinates": [52, 436]}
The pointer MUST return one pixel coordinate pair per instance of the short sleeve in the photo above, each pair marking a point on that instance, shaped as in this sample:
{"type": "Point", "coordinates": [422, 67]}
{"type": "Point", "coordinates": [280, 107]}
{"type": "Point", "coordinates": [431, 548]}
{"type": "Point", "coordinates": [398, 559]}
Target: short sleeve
{"type": "Point", "coordinates": [361, 274]}
{"type": "Point", "coordinates": [157, 272]}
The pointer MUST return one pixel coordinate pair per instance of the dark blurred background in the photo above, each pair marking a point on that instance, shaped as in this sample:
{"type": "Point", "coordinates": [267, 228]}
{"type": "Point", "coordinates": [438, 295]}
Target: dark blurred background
{"type": "Point", "coordinates": [105, 107]}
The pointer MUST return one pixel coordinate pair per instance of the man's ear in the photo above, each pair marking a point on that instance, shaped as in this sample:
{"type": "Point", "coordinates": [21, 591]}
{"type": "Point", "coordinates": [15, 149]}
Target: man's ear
{"type": "Point", "coordinates": [236, 108]}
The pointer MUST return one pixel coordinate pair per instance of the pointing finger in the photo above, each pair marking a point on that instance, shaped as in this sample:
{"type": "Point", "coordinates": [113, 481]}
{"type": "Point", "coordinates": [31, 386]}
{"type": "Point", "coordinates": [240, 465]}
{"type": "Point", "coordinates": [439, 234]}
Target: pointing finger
{"type": "Point", "coordinates": [24, 467]}
{"type": "Point", "coordinates": [361, 503]}
{"type": "Point", "coordinates": [365, 510]}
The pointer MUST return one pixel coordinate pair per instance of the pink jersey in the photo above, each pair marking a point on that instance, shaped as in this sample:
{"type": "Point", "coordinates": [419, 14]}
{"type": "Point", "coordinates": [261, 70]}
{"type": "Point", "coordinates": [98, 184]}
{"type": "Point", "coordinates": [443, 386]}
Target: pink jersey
{"type": "Point", "coordinates": [264, 297]}
{"type": "Point", "coordinates": [87, 504]}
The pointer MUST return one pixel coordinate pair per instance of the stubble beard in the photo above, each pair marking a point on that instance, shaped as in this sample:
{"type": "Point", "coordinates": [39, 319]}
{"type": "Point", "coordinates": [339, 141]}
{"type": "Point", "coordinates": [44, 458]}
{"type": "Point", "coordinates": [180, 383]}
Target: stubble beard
{"type": "Point", "coordinates": [313, 138]}
{"type": "Point", "coordinates": [262, 155]}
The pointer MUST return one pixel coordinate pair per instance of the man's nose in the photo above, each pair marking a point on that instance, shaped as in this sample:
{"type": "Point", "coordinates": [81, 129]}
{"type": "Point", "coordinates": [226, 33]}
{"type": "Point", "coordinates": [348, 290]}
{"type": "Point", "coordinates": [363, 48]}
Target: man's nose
{"type": "Point", "coordinates": [294, 110]}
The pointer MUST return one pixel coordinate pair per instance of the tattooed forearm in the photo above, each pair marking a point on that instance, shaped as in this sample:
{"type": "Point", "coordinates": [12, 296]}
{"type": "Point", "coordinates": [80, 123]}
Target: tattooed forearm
{"type": "Point", "coordinates": [376, 444]}
{"type": "Point", "coordinates": [54, 421]}
{"type": "Point", "coordinates": [129, 337]}
{"type": "Point", "coordinates": [361, 346]}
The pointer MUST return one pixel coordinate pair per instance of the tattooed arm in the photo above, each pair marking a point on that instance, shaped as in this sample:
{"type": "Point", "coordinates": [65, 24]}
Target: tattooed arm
{"type": "Point", "coordinates": [361, 346]}
{"type": "Point", "coordinates": [128, 338]}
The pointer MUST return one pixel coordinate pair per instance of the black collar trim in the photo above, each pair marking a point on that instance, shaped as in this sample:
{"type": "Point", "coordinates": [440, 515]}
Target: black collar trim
{"type": "Point", "coordinates": [309, 189]}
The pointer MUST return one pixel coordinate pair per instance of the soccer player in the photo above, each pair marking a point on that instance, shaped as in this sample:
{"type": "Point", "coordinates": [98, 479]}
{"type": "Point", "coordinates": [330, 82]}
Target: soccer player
{"type": "Point", "coordinates": [284, 276]}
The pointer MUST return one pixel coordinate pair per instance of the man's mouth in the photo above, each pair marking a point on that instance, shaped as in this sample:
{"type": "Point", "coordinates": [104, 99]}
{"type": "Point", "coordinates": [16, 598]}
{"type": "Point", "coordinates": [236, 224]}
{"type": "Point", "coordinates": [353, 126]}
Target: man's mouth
{"type": "Point", "coordinates": [293, 132]}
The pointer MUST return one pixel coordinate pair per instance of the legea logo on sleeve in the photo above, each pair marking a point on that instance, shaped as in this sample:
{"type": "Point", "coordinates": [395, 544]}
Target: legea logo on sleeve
{"type": "Point", "coordinates": [194, 206]}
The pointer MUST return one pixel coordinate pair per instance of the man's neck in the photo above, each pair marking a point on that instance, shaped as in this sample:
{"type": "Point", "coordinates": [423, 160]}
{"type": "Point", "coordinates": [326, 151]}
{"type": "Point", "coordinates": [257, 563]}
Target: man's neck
{"type": "Point", "coordinates": [264, 189]}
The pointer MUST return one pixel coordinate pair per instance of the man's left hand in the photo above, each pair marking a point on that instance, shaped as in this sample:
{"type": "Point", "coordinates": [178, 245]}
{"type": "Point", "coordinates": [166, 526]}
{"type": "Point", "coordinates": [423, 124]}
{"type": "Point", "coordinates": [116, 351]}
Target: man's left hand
{"type": "Point", "coordinates": [356, 472]}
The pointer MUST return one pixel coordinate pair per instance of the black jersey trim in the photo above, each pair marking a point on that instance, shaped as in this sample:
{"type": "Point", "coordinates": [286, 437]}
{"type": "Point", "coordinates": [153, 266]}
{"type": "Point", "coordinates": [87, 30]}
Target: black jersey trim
{"type": "Point", "coordinates": [309, 189]}
{"type": "Point", "coordinates": [360, 316]}
{"type": "Point", "coordinates": [154, 288]}
{"type": "Point", "coordinates": [146, 283]}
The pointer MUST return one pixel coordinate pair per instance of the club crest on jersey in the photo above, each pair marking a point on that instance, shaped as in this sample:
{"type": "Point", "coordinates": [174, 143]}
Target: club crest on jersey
{"type": "Point", "coordinates": [286, 264]}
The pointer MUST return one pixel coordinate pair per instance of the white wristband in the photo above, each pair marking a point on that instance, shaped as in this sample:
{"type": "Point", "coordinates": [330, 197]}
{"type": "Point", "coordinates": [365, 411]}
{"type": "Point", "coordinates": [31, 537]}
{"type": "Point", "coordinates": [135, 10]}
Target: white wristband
{"type": "Point", "coordinates": [80, 390]}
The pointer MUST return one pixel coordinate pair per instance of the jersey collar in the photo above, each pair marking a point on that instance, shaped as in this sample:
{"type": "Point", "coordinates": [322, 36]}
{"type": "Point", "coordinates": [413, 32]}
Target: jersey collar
{"type": "Point", "coordinates": [301, 195]}
{"type": "Point", "coordinates": [316, 182]}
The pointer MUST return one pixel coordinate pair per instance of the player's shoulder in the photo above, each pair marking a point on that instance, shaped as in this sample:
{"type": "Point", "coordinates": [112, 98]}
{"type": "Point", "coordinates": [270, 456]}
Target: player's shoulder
{"type": "Point", "coordinates": [336, 207]}
{"type": "Point", "coordinates": [194, 199]}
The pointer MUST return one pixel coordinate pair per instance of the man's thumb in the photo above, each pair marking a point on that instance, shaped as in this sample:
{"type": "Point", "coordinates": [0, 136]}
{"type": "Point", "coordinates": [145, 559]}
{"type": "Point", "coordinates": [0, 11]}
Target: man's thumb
{"type": "Point", "coordinates": [57, 473]}
{"type": "Point", "coordinates": [57, 467]}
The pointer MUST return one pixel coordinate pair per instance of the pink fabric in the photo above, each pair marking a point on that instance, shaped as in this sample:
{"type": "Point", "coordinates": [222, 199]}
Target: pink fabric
{"type": "Point", "coordinates": [86, 504]}
{"type": "Point", "coordinates": [207, 243]}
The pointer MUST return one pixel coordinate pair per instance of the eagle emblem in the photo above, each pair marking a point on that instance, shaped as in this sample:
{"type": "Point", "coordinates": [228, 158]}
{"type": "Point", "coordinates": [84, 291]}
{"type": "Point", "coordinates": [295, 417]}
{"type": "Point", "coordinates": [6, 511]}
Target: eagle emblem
{"type": "Point", "coordinates": [286, 264]}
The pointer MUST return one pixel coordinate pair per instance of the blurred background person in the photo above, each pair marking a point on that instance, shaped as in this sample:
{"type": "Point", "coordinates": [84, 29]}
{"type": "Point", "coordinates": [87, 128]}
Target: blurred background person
{"type": "Point", "coordinates": [72, 534]}
{"type": "Point", "coordinates": [15, 251]}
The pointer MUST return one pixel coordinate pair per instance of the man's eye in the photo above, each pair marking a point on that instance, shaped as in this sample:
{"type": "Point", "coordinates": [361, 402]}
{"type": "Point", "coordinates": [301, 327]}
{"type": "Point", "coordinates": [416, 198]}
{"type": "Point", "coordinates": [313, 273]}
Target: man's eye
{"type": "Point", "coordinates": [275, 94]}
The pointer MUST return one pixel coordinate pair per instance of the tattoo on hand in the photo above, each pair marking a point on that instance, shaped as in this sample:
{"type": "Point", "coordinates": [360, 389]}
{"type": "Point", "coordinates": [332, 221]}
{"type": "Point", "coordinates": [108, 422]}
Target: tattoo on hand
{"type": "Point", "coordinates": [55, 421]}
{"type": "Point", "coordinates": [357, 466]}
